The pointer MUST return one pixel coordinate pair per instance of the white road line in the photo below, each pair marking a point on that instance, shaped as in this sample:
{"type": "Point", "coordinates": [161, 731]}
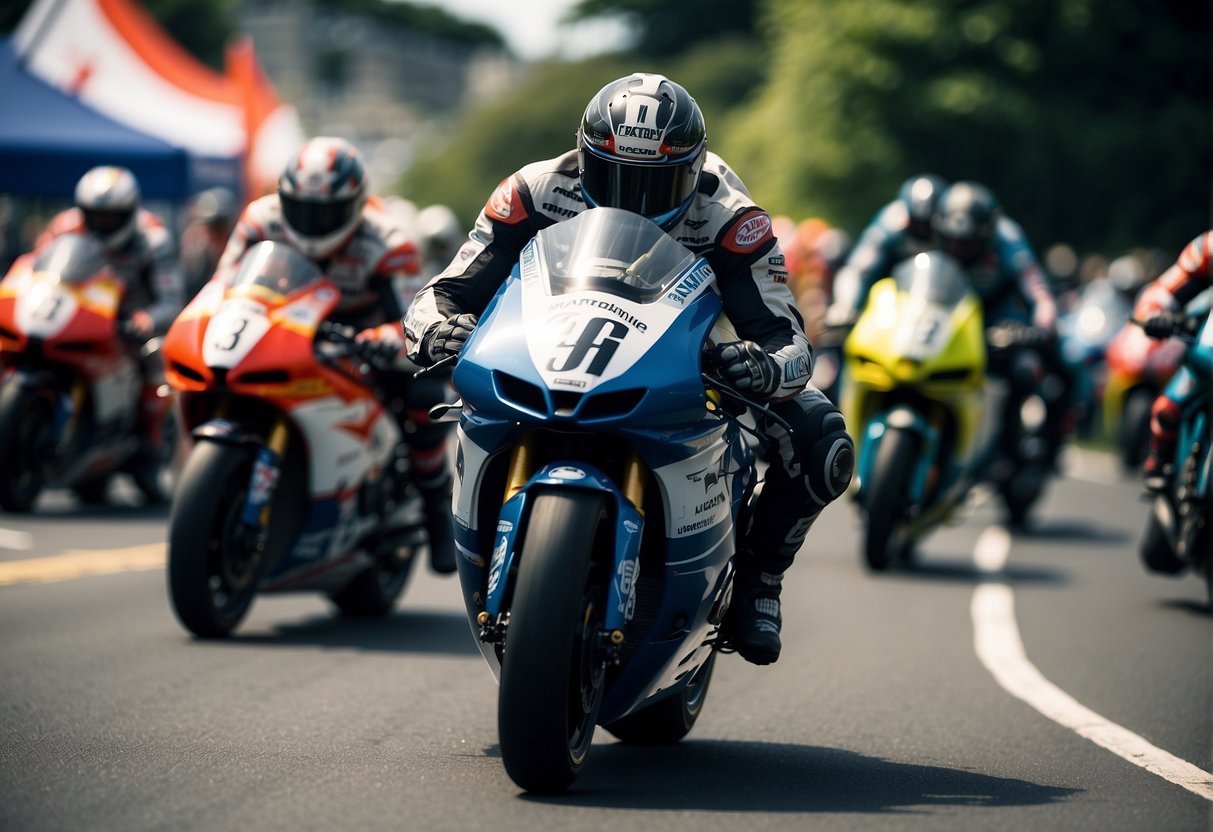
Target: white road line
{"type": "Point", "coordinates": [13, 539]}
{"type": "Point", "coordinates": [1000, 648]}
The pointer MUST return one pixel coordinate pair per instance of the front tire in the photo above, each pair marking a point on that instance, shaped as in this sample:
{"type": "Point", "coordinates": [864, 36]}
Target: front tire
{"type": "Point", "coordinates": [553, 671]}
{"type": "Point", "coordinates": [26, 422]}
{"type": "Point", "coordinates": [1156, 551]}
{"type": "Point", "coordinates": [886, 498]}
{"type": "Point", "coordinates": [669, 720]}
{"type": "Point", "coordinates": [212, 575]}
{"type": "Point", "coordinates": [1134, 433]}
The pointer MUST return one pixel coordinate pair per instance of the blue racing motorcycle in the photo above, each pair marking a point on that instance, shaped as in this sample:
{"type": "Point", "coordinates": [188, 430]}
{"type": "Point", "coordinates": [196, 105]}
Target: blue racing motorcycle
{"type": "Point", "coordinates": [600, 486]}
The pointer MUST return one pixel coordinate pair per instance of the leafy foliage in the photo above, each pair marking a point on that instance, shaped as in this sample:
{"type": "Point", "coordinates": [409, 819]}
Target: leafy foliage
{"type": "Point", "coordinates": [539, 120]}
{"type": "Point", "coordinates": [670, 27]}
{"type": "Point", "coordinates": [1089, 118]}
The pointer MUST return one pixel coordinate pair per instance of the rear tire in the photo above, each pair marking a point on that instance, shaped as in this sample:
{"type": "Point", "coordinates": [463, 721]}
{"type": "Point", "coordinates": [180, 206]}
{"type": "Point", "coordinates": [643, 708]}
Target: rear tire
{"type": "Point", "coordinates": [26, 421]}
{"type": "Point", "coordinates": [553, 671]}
{"type": "Point", "coordinates": [885, 500]}
{"type": "Point", "coordinates": [374, 593]}
{"type": "Point", "coordinates": [669, 720]}
{"type": "Point", "coordinates": [212, 577]}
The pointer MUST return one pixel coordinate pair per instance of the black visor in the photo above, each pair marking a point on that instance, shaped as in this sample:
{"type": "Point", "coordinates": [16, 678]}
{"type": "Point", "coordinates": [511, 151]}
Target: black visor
{"type": "Point", "coordinates": [648, 190]}
{"type": "Point", "coordinates": [316, 219]}
{"type": "Point", "coordinates": [105, 221]}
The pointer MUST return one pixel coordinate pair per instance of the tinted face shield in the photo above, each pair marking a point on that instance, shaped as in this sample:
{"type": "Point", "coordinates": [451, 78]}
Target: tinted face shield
{"type": "Point", "coordinates": [648, 190]}
{"type": "Point", "coordinates": [105, 222]}
{"type": "Point", "coordinates": [316, 219]}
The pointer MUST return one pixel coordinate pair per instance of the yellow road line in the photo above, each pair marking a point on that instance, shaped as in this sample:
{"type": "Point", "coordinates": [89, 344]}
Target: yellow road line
{"type": "Point", "coordinates": [81, 562]}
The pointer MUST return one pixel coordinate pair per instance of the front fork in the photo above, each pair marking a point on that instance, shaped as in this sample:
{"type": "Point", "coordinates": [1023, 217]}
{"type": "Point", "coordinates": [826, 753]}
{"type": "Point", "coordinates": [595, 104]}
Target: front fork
{"type": "Point", "coordinates": [263, 483]}
{"type": "Point", "coordinates": [621, 600]}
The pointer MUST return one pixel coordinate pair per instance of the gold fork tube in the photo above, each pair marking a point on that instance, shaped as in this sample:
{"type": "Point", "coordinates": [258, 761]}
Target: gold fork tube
{"type": "Point", "coordinates": [633, 481]}
{"type": "Point", "coordinates": [520, 466]}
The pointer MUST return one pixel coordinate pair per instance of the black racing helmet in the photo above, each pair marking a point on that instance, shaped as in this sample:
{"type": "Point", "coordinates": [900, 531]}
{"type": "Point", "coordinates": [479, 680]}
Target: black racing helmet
{"type": "Point", "coordinates": [965, 220]}
{"type": "Point", "coordinates": [641, 147]}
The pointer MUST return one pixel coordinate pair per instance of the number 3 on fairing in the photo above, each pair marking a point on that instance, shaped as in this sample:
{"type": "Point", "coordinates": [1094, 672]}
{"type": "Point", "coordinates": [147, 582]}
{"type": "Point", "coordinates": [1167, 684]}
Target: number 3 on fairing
{"type": "Point", "coordinates": [234, 331]}
{"type": "Point", "coordinates": [593, 339]}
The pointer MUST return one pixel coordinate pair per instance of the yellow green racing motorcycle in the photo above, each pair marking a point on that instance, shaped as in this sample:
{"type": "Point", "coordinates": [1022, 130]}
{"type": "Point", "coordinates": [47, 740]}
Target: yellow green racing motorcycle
{"type": "Point", "coordinates": [926, 413]}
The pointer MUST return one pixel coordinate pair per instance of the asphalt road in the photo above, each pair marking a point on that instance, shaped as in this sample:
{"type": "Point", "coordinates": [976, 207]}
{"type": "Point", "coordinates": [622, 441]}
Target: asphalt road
{"type": "Point", "coordinates": [900, 701]}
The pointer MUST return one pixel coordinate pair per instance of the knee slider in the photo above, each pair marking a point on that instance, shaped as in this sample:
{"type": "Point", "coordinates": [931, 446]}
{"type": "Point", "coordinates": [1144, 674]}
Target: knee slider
{"type": "Point", "coordinates": [832, 462]}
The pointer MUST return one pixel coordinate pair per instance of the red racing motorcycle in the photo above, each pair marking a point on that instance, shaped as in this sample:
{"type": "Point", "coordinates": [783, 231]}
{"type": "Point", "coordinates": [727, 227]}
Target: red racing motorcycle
{"type": "Point", "coordinates": [71, 378]}
{"type": "Point", "coordinates": [297, 479]}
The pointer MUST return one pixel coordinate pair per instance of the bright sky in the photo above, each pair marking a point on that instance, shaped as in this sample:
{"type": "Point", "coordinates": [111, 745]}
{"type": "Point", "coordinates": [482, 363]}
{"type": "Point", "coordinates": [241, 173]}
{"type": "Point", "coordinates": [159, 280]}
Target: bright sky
{"type": "Point", "coordinates": [532, 28]}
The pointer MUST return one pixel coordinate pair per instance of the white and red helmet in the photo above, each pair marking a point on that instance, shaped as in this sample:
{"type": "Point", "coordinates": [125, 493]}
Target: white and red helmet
{"type": "Point", "coordinates": [108, 198]}
{"type": "Point", "coordinates": [323, 192]}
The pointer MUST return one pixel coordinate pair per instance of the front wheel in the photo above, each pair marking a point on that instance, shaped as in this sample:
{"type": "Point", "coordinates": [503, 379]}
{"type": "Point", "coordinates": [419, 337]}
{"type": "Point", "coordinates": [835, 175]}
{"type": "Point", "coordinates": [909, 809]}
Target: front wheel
{"type": "Point", "coordinates": [669, 720]}
{"type": "Point", "coordinates": [1134, 433]}
{"type": "Point", "coordinates": [213, 566]}
{"type": "Point", "coordinates": [27, 418]}
{"type": "Point", "coordinates": [886, 498]}
{"type": "Point", "coordinates": [553, 672]}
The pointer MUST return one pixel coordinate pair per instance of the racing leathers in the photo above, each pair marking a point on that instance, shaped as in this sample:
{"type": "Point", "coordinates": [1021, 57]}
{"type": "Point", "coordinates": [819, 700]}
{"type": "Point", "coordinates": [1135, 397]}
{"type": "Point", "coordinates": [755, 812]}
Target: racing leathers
{"type": "Point", "coordinates": [154, 295]}
{"type": "Point", "coordinates": [1191, 274]}
{"type": "Point", "coordinates": [813, 466]}
{"type": "Point", "coordinates": [371, 270]}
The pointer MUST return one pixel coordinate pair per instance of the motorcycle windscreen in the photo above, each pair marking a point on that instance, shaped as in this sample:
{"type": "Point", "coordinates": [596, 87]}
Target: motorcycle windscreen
{"type": "Point", "coordinates": [614, 251]}
{"type": "Point", "coordinates": [276, 267]}
{"type": "Point", "coordinates": [73, 258]}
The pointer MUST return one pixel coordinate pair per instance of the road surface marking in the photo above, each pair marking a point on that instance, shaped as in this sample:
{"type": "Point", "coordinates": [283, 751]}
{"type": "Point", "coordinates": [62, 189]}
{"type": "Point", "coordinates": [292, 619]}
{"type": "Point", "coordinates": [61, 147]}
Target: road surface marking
{"type": "Point", "coordinates": [13, 539]}
{"type": "Point", "coordinates": [81, 562]}
{"type": "Point", "coordinates": [1000, 648]}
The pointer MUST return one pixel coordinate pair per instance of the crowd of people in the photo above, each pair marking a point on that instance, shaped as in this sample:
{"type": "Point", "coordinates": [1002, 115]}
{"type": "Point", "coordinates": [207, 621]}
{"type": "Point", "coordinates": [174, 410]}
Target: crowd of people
{"type": "Point", "coordinates": [414, 281]}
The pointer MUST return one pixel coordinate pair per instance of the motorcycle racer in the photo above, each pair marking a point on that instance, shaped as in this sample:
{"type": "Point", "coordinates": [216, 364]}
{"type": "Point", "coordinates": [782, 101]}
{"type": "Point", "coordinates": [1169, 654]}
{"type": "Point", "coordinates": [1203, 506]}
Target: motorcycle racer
{"type": "Point", "coordinates": [1163, 299]}
{"type": "Point", "coordinates": [323, 210]}
{"type": "Point", "coordinates": [139, 249]}
{"type": "Point", "coordinates": [642, 147]}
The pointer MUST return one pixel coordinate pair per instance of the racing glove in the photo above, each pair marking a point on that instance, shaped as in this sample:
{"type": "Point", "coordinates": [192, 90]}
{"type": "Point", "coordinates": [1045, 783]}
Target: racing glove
{"type": "Point", "coordinates": [1162, 324]}
{"type": "Point", "coordinates": [747, 367]}
{"type": "Point", "coordinates": [383, 346]}
{"type": "Point", "coordinates": [446, 337]}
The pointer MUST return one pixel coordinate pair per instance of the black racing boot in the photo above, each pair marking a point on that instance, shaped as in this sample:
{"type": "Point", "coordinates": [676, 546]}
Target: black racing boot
{"type": "Point", "coordinates": [439, 528]}
{"type": "Point", "coordinates": [754, 618]}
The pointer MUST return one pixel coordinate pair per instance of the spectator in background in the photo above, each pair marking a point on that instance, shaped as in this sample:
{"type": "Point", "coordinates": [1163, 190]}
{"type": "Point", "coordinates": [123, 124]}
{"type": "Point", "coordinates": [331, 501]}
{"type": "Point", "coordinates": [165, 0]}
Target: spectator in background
{"type": "Point", "coordinates": [209, 221]}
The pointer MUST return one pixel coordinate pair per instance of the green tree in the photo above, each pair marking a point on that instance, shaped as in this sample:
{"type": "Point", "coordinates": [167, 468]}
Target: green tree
{"type": "Point", "coordinates": [539, 120]}
{"type": "Point", "coordinates": [1089, 118]}
{"type": "Point", "coordinates": [670, 27]}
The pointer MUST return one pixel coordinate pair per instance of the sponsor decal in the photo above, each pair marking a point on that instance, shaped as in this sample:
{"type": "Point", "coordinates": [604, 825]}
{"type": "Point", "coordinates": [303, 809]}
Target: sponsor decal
{"type": "Point", "coordinates": [630, 527]}
{"type": "Point", "coordinates": [498, 560]}
{"type": "Point", "coordinates": [566, 472]}
{"type": "Point", "coordinates": [651, 134]}
{"type": "Point", "coordinates": [708, 477]}
{"type": "Point", "coordinates": [709, 504]}
{"type": "Point", "coordinates": [505, 526]}
{"type": "Point", "coordinates": [569, 382]}
{"type": "Point", "coordinates": [552, 208]}
{"type": "Point", "coordinates": [694, 241]}
{"type": "Point", "coordinates": [777, 260]}
{"type": "Point", "coordinates": [753, 231]}
{"type": "Point", "coordinates": [565, 192]}
{"type": "Point", "coordinates": [627, 587]}
{"type": "Point", "coordinates": [637, 151]}
{"type": "Point", "coordinates": [503, 205]}
{"type": "Point", "coordinates": [695, 225]}
{"type": "Point", "coordinates": [777, 277]}
{"type": "Point", "coordinates": [797, 368]}
{"type": "Point", "coordinates": [597, 343]}
{"type": "Point", "coordinates": [605, 306]}
{"type": "Point", "coordinates": [687, 286]}
{"type": "Point", "coordinates": [698, 525]}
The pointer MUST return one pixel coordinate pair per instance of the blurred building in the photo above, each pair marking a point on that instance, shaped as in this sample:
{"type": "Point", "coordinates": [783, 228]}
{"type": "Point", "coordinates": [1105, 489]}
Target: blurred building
{"type": "Point", "coordinates": [370, 80]}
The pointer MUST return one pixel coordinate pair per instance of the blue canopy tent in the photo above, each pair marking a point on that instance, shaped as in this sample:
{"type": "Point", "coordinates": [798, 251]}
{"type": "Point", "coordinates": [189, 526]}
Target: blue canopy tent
{"type": "Point", "coordinates": [48, 139]}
